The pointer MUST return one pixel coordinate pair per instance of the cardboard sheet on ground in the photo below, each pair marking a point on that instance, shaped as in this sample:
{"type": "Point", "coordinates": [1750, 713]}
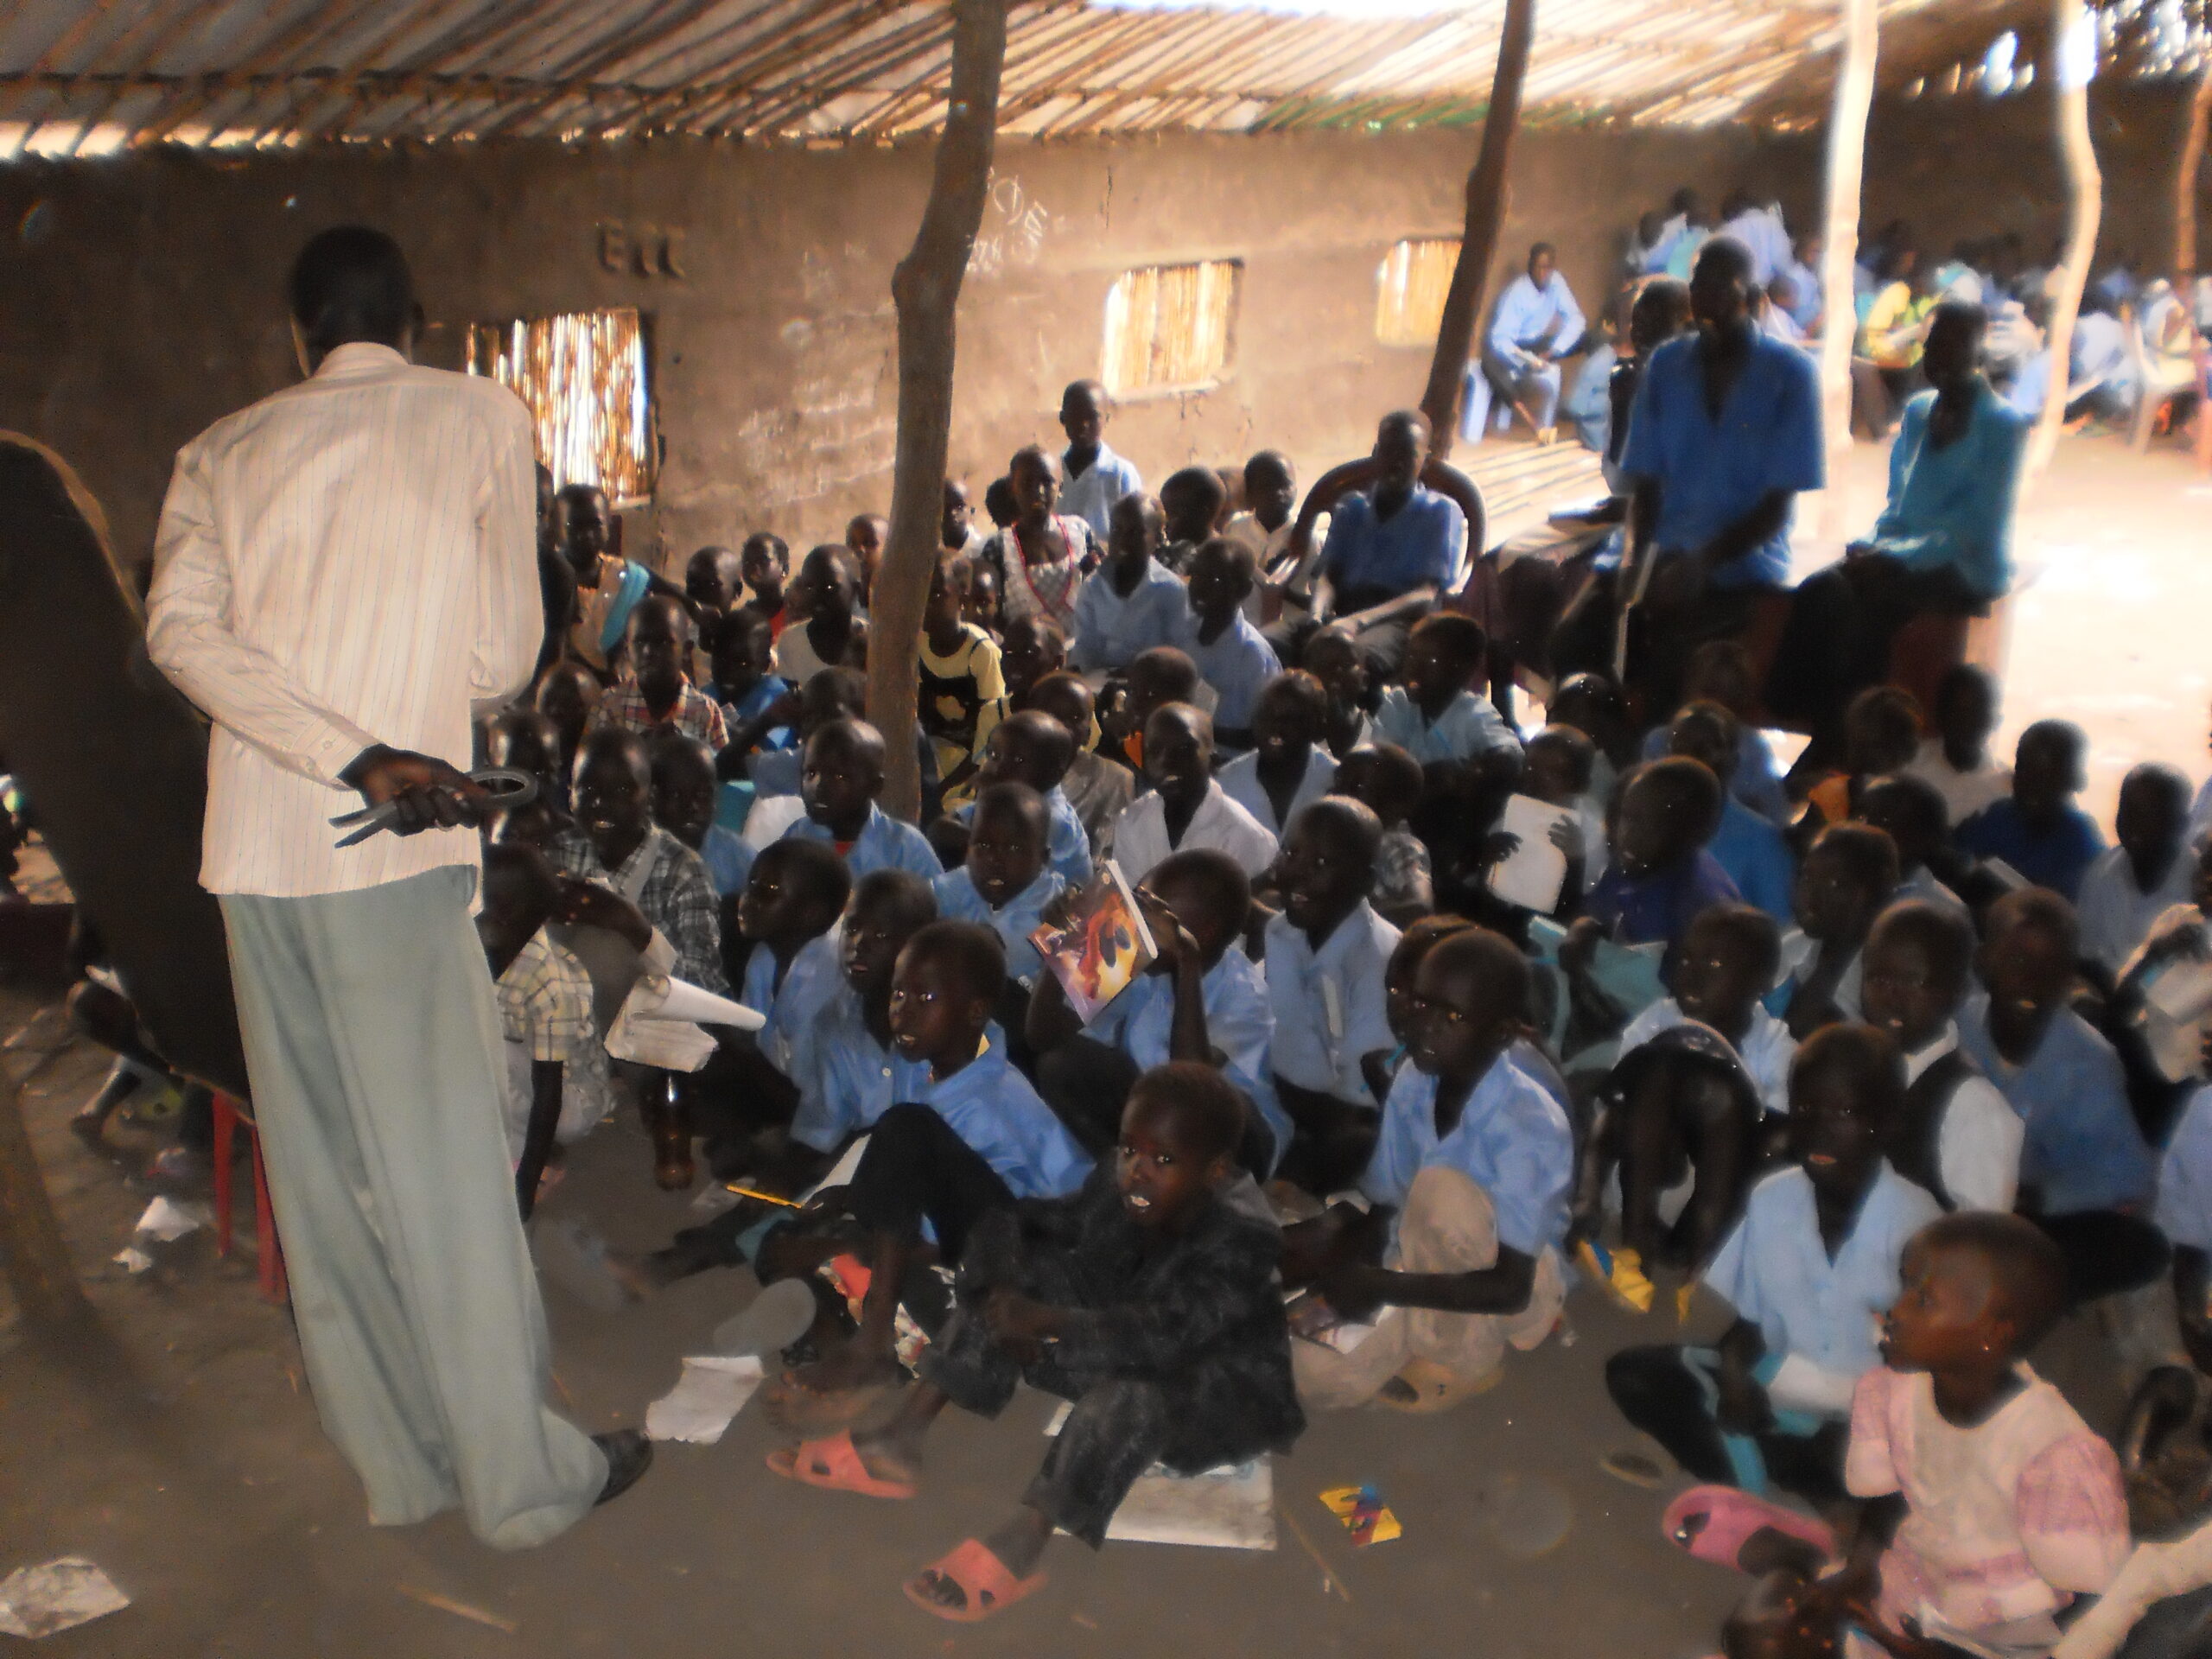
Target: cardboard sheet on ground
{"type": "Point", "coordinates": [711, 1391]}
{"type": "Point", "coordinates": [1533, 876]}
{"type": "Point", "coordinates": [59, 1596]}
{"type": "Point", "coordinates": [1229, 1508]}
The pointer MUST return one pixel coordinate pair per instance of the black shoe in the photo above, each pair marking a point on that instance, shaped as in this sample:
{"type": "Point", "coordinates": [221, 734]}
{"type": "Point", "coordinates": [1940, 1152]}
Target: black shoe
{"type": "Point", "coordinates": [629, 1454]}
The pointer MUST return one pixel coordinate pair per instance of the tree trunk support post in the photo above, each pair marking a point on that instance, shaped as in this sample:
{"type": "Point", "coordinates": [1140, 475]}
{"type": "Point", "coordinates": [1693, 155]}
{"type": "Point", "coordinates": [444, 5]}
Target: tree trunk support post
{"type": "Point", "coordinates": [2073, 48]}
{"type": "Point", "coordinates": [925, 290]}
{"type": "Point", "coordinates": [1854, 96]}
{"type": "Point", "coordinates": [33, 1254]}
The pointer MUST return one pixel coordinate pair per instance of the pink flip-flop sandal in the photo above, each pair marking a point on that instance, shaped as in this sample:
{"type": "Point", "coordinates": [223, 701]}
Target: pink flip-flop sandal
{"type": "Point", "coordinates": [835, 1464]}
{"type": "Point", "coordinates": [1713, 1522]}
{"type": "Point", "coordinates": [983, 1580]}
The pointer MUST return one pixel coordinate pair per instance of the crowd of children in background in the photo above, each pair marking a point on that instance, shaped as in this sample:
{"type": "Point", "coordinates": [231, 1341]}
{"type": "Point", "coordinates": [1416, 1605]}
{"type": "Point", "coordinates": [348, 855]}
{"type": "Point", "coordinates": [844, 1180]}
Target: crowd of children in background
{"type": "Point", "coordinates": [1868, 1052]}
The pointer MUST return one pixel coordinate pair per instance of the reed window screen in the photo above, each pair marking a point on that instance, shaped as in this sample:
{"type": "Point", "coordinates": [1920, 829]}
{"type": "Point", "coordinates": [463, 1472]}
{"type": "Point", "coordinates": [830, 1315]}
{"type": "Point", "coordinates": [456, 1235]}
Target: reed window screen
{"type": "Point", "coordinates": [1410, 289]}
{"type": "Point", "coordinates": [1170, 328]}
{"type": "Point", "coordinates": [582, 375]}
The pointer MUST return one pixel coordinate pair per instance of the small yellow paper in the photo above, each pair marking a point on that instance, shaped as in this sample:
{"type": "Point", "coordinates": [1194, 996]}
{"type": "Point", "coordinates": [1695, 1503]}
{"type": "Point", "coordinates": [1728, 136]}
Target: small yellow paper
{"type": "Point", "coordinates": [1365, 1514]}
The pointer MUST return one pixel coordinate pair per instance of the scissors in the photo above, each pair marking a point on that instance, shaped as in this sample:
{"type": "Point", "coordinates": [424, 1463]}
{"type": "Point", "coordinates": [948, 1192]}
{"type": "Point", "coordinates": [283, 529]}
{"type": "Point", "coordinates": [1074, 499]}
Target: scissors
{"type": "Point", "coordinates": [504, 789]}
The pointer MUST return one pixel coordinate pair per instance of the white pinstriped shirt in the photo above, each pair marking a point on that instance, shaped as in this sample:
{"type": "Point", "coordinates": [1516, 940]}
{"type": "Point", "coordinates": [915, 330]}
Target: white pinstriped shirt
{"type": "Point", "coordinates": [351, 560]}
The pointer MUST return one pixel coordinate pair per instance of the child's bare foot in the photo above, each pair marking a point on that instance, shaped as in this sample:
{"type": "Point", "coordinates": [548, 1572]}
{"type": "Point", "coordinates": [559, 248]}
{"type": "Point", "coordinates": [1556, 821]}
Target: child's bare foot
{"type": "Point", "coordinates": [1018, 1545]}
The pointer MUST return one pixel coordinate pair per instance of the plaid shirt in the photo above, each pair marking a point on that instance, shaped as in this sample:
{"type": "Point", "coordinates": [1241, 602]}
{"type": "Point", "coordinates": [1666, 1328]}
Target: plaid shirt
{"type": "Point", "coordinates": [676, 895]}
{"type": "Point", "coordinates": [697, 714]}
{"type": "Point", "coordinates": [545, 1003]}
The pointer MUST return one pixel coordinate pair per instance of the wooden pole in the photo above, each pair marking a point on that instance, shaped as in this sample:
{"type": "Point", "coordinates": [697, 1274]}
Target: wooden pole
{"type": "Point", "coordinates": [2192, 157]}
{"type": "Point", "coordinates": [2070, 26]}
{"type": "Point", "coordinates": [925, 289]}
{"type": "Point", "coordinates": [1854, 96]}
{"type": "Point", "coordinates": [32, 1250]}
{"type": "Point", "coordinates": [1463, 303]}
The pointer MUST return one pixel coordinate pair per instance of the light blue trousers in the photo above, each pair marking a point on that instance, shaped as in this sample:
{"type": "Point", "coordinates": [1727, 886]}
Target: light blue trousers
{"type": "Point", "coordinates": [372, 1043]}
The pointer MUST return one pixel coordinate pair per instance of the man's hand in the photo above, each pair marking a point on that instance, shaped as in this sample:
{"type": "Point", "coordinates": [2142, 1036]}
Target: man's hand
{"type": "Point", "coordinates": [427, 793]}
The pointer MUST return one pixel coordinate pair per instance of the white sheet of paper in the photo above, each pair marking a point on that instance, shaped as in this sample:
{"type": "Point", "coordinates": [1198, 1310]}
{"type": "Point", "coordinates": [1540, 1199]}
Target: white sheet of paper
{"type": "Point", "coordinates": [1532, 878]}
{"type": "Point", "coordinates": [677, 999]}
{"type": "Point", "coordinates": [1800, 1385]}
{"type": "Point", "coordinates": [1232, 1507]}
{"type": "Point", "coordinates": [771, 816]}
{"type": "Point", "coordinates": [165, 1220]}
{"type": "Point", "coordinates": [38, 1601]}
{"type": "Point", "coordinates": [711, 1391]}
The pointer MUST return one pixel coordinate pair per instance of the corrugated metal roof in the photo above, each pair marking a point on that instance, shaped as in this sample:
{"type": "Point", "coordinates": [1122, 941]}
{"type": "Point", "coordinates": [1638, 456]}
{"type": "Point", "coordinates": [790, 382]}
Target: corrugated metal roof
{"type": "Point", "coordinates": [91, 76]}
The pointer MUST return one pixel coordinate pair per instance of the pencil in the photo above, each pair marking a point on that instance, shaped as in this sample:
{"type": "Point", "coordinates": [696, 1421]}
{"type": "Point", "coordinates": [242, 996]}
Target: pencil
{"type": "Point", "coordinates": [1328, 1574]}
{"type": "Point", "coordinates": [765, 1197]}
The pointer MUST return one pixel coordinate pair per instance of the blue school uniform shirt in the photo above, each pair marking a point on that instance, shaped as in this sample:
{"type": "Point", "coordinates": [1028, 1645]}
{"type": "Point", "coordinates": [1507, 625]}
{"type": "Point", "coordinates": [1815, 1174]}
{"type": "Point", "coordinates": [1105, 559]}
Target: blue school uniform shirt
{"type": "Point", "coordinates": [1091, 494]}
{"type": "Point", "coordinates": [1756, 782]}
{"type": "Point", "coordinates": [1525, 312]}
{"type": "Point", "coordinates": [1710, 475]}
{"type": "Point", "coordinates": [991, 1107]}
{"type": "Point", "coordinates": [1952, 509]}
{"type": "Point", "coordinates": [1663, 905]}
{"type": "Point", "coordinates": [790, 1007]}
{"type": "Point", "coordinates": [1757, 859]}
{"type": "Point", "coordinates": [1238, 665]}
{"type": "Point", "coordinates": [1776, 1272]}
{"type": "Point", "coordinates": [1329, 1005]}
{"type": "Point", "coordinates": [2057, 858]}
{"type": "Point", "coordinates": [1806, 311]}
{"type": "Point", "coordinates": [753, 704]}
{"type": "Point", "coordinates": [2184, 1207]}
{"type": "Point", "coordinates": [1067, 844]}
{"type": "Point", "coordinates": [1240, 1022]}
{"type": "Point", "coordinates": [1110, 630]}
{"type": "Point", "coordinates": [884, 844]}
{"type": "Point", "coordinates": [1468, 726]}
{"type": "Point", "coordinates": [729, 858]}
{"type": "Point", "coordinates": [1240, 780]}
{"type": "Point", "coordinates": [849, 1085]}
{"type": "Point", "coordinates": [1512, 1140]}
{"type": "Point", "coordinates": [1424, 541]}
{"type": "Point", "coordinates": [958, 901]}
{"type": "Point", "coordinates": [2083, 1150]}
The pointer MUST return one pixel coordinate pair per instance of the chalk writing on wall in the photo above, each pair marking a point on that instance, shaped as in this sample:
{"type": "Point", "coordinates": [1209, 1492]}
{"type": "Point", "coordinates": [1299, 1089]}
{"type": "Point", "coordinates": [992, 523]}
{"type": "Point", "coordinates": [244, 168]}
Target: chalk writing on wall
{"type": "Point", "coordinates": [839, 426]}
{"type": "Point", "coordinates": [1014, 231]}
{"type": "Point", "coordinates": [642, 250]}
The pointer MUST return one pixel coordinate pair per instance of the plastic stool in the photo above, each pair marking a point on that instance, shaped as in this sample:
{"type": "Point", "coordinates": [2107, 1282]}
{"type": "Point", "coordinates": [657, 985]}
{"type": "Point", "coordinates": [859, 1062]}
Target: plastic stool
{"type": "Point", "coordinates": [230, 1115]}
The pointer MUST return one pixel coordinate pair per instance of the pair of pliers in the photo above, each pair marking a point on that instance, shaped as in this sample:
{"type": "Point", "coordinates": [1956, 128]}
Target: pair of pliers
{"type": "Point", "coordinates": [505, 789]}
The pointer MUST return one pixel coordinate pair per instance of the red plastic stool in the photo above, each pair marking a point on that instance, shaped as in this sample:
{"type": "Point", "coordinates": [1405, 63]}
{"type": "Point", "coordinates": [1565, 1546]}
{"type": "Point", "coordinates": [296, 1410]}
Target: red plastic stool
{"type": "Point", "coordinates": [230, 1116]}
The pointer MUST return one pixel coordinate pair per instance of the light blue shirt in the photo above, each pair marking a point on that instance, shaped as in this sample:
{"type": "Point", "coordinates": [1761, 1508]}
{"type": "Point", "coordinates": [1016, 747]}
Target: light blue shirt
{"type": "Point", "coordinates": [1711, 474]}
{"type": "Point", "coordinates": [1589, 400]}
{"type": "Point", "coordinates": [1240, 1022]}
{"type": "Point", "coordinates": [959, 901]}
{"type": "Point", "coordinates": [991, 1107]}
{"type": "Point", "coordinates": [1067, 844]}
{"type": "Point", "coordinates": [1238, 665]}
{"type": "Point", "coordinates": [1525, 312]}
{"type": "Point", "coordinates": [1468, 726]}
{"type": "Point", "coordinates": [1758, 860]}
{"type": "Point", "coordinates": [1090, 495]}
{"type": "Point", "coordinates": [849, 1085]}
{"type": "Point", "coordinates": [2099, 355]}
{"type": "Point", "coordinates": [1109, 630]}
{"type": "Point", "coordinates": [789, 1005]}
{"type": "Point", "coordinates": [1758, 231]}
{"type": "Point", "coordinates": [1512, 1140]}
{"type": "Point", "coordinates": [2184, 1210]}
{"type": "Point", "coordinates": [729, 858]}
{"type": "Point", "coordinates": [884, 844]}
{"type": "Point", "coordinates": [1952, 508]}
{"type": "Point", "coordinates": [1240, 780]}
{"type": "Point", "coordinates": [1424, 541]}
{"type": "Point", "coordinates": [1329, 1006]}
{"type": "Point", "coordinates": [1807, 281]}
{"type": "Point", "coordinates": [2083, 1150]}
{"type": "Point", "coordinates": [1776, 1272]}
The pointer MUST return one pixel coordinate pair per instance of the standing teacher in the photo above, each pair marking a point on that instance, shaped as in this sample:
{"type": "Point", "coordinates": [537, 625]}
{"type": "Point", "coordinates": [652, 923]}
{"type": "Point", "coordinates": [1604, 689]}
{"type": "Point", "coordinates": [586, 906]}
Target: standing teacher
{"type": "Point", "coordinates": [341, 571]}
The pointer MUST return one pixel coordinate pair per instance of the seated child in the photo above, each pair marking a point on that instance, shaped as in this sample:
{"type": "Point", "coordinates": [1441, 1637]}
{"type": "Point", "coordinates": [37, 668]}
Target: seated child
{"type": "Point", "coordinates": [1005, 884]}
{"type": "Point", "coordinates": [826, 593]}
{"type": "Point", "coordinates": [1035, 646]}
{"type": "Point", "coordinates": [793, 896]}
{"type": "Point", "coordinates": [1994, 1504]}
{"type": "Point", "coordinates": [1192, 500]}
{"type": "Point", "coordinates": [1399, 1002]}
{"type": "Point", "coordinates": [567, 695]}
{"type": "Point", "coordinates": [1661, 875]}
{"type": "Point", "coordinates": [1132, 602]}
{"type": "Point", "coordinates": [1721, 672]}
{"type": "Point", "coordinates": [1881, 735]}
{"type": "Point", "coordinates": [557, 1087]}
{"type": "Point", "coordinates": [752, 698]}
{"type": "Point", "coordinates": [1230, 653]}
{"type": "Point", "coordinates": [1326, 955]}
{"type": "Point", "coordinates": [843, 776]}
{"type": "Point", "coordinates": [1186, 806]}
{"type": "Point", "coordinates": [1956, 1137]}
{"type": "Point", "coordinates": [1681, 1105]}
{"type": "Point", "coordinates": [1907, 809]}
{"type": "Point", "coordinates": [967, 1135]}
{"type": "Point", "coordinates": [1561, 763]}
{"type": "Point", "coordinates": [2131, 887]}
{"type": "Point", "coordinates": [1808, 1270]}
{"type": "Point", "coordinates": [1331, 656]}
{"type": "Point", "coordinates": [962, 696]}
{"type": "Point", "coordinates": [1470, 1179]}
{"type": "Point", "coordinates": [866, 536]}
{"type": "Point", "coordinates": [1847, 878]}
{"type": "Point", "coordinates": [1387, 781]}
{"type": "Point", "coordinates": [2038, 830]}
{"type": "Point", "coordinates": [1748, 845]}
{"type": "Point", "coordinates": [1592, 705]}
{"type": "Point", "coordinates": [765, 563]}
{"type": "Point", "coordinates": [1156, 678]}
{"type": "Point", "coordinates": [713, 579]}
{"type": "Point", "coordinates": [658, 695]}
{"type": "Point", "coordinates": [833, 694]}
{"type": "Point", "coordinates": [528, 741]}
{"type": "Point", "coordinates": [2184, 1216]}
{"type": "Point", "coordinates": [1264, 524]}
{"type": "Point", "coordinates": [2083, 1166]}
{"type": "Point", "coordinates": [1148, 1299]}
{"type": "Point", "coordinates": [1095, 787]}
{"type": "Point", "coordinates": [1436, 717]}
{"type": "Point", "coordinates": [1202, 1000]}
{"type": "Point", "coordinates": [1957, 759]}
{"type": "Point", "coordinates": [1033, 748]}
{"type": "Point", "coordinates": [980, 599]}
{"type": "Point", "coordinates": [1288, 765]}
{"type": "Point", "coordinates": [684, 794]}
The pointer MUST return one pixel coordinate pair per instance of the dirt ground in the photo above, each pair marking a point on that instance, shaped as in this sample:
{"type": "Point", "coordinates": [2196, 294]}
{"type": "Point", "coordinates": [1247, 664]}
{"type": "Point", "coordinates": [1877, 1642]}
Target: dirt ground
{"type": "Point", "coordinates": [177, 1448]}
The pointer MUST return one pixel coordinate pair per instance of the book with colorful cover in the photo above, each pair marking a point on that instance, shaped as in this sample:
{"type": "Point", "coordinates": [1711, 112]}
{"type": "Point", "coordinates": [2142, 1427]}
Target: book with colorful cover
{"type": "Point", "coordinates": [1104, 945]}
{"type": "Point", "coordinates": [1365, 1514]}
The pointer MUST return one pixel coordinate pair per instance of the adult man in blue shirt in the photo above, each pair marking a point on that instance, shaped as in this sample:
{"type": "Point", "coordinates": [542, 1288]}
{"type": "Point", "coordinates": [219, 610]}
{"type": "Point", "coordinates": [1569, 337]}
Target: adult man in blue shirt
{"type": "Point", "coordinates": [1725, 431]}
{"type": "Point", "coordinates": [1536, 324]}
